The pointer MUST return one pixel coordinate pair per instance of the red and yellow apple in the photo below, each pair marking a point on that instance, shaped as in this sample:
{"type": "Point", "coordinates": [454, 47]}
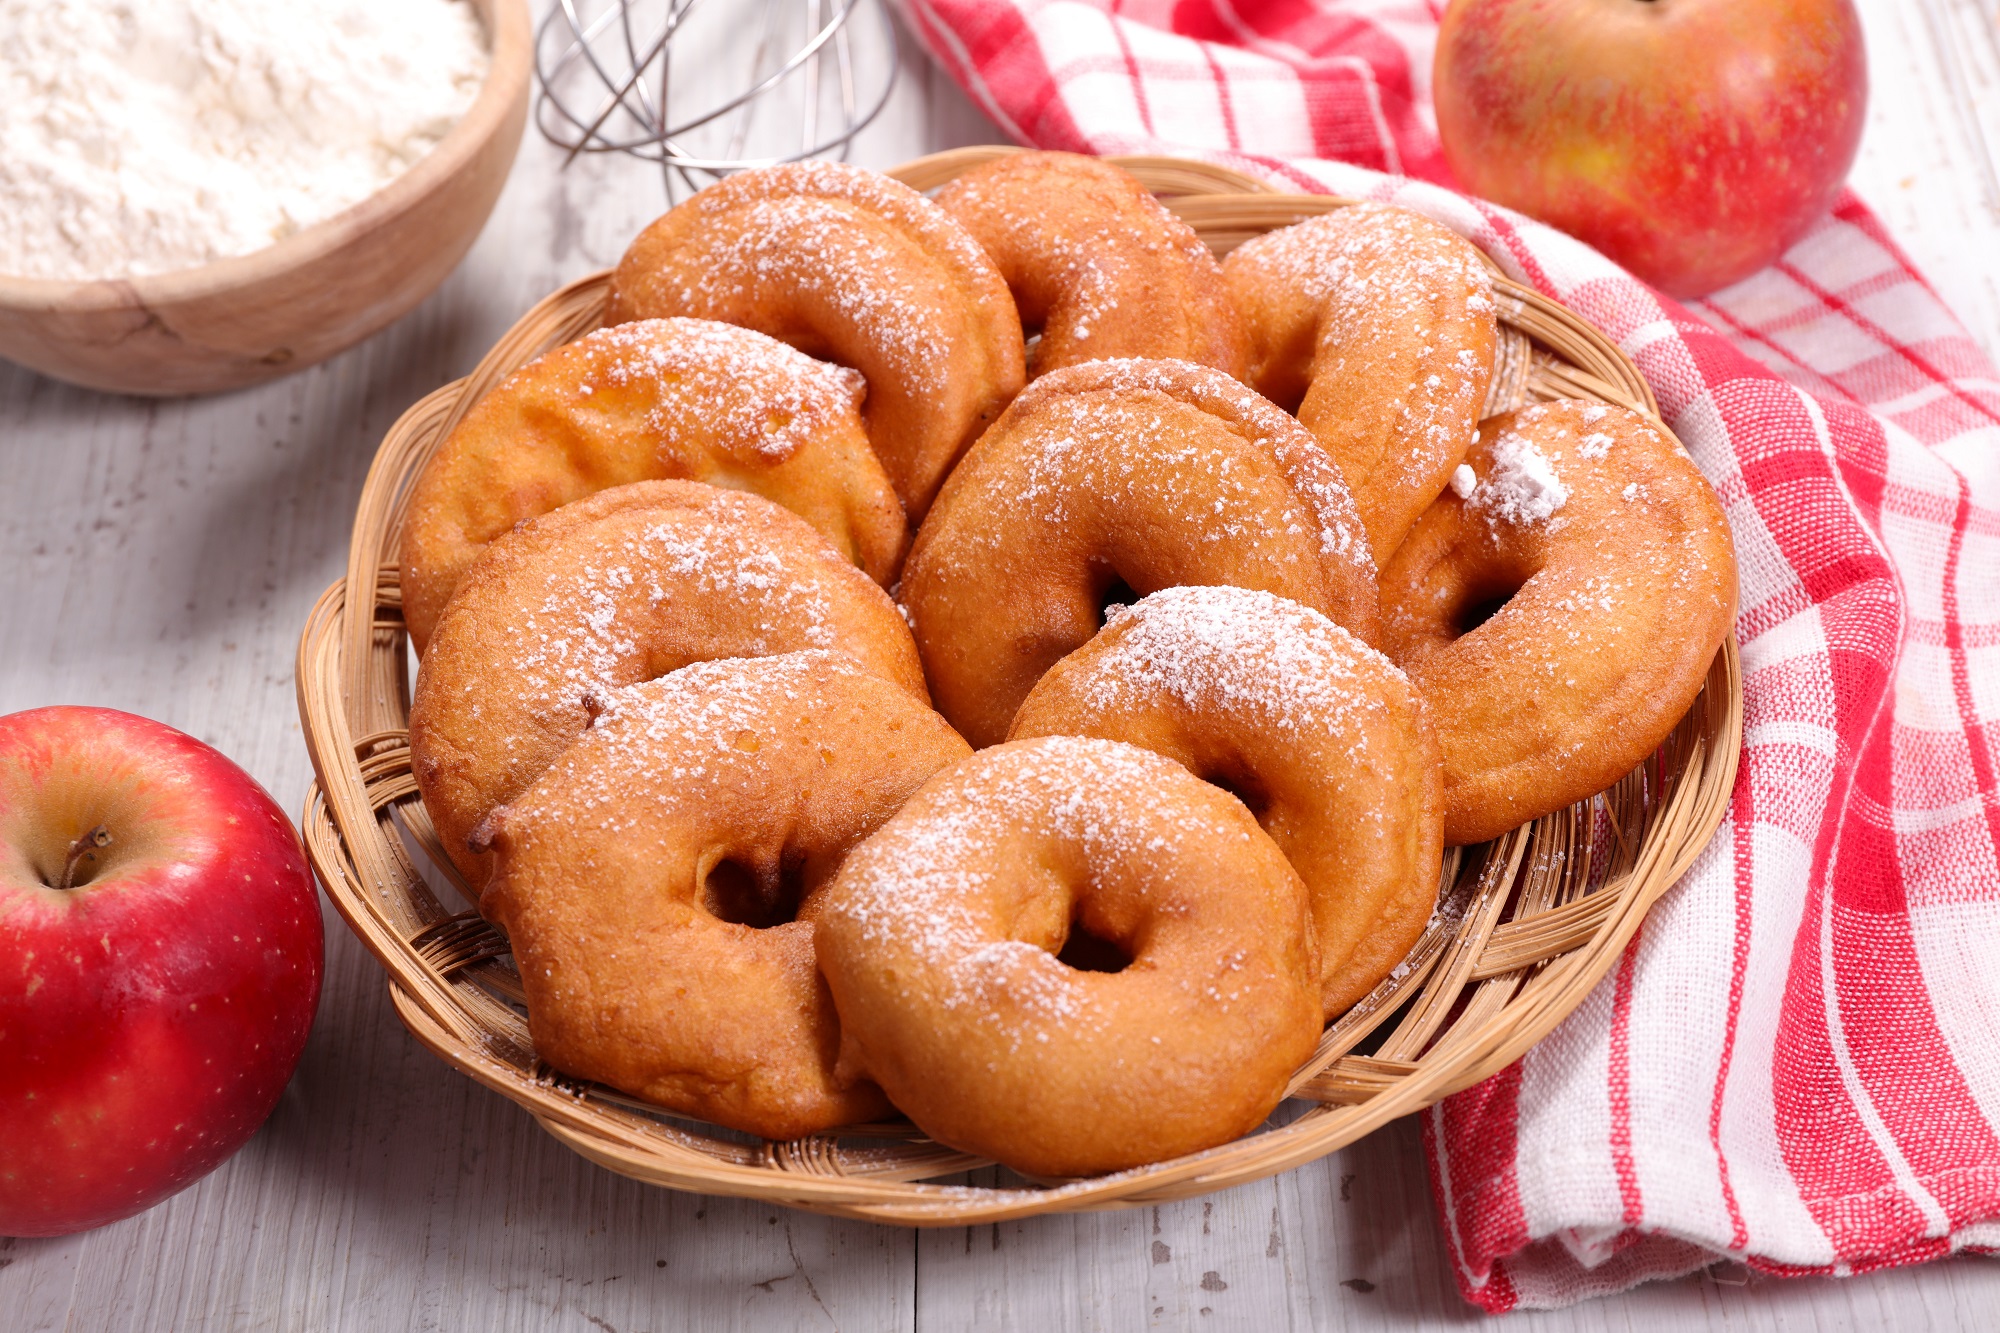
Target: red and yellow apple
{"type": "Point", "coordinates": [160, 957]}
{"type": "Point", "coordinates": [1690, 140]}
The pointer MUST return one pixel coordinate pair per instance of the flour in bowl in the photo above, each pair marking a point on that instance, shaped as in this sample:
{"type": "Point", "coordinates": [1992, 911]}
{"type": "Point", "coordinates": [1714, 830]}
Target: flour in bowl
{"type": "Point", "coordinates": [142, 136]}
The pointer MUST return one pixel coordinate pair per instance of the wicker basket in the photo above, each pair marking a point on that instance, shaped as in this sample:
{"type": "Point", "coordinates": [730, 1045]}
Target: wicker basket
{"type": "Point", "coordinates": [1525, 926]}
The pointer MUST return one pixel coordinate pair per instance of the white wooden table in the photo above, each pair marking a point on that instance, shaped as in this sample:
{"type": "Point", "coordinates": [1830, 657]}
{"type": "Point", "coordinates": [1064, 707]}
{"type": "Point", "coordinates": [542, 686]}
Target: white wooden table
{"type": "Point", "coordinates": [161, 557]}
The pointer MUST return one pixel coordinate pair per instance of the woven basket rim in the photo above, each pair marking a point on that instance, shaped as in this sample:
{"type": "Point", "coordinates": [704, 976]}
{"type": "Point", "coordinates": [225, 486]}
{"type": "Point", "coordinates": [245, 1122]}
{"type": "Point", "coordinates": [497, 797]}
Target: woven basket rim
{"type": "Point", "coordinates": [1486, 990]}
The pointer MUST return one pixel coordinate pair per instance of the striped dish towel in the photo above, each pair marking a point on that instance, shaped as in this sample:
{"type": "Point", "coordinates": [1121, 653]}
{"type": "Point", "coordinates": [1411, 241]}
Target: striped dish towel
{"type": "Point", "coordinates": [1797, 1062]}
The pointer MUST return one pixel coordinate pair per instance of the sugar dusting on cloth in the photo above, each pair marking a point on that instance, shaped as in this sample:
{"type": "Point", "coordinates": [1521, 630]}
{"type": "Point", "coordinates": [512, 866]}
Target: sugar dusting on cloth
{"type": "Point", "coordinates": [143, 136]}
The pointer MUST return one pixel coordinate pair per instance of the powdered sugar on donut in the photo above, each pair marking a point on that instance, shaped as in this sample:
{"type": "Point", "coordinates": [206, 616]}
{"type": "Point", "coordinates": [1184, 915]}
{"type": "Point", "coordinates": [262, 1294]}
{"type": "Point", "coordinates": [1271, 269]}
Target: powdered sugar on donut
{"type": "Point", "coordinates": [1099, 219]}
{"type": "Point", "coordinates": [761, 397]}
{"type": "Point", "coordinates": [763, 255]}
{"type": "Point", "coordinates": [921, 888]}
{"type": "Point", "coordinates": [685, 727]}
{"type": "Point", "coordinates": [1343, 251]}
{"type": "Point", "coordinates": [872, 191]}
{"type": "Point", "coordinates": [1390, 291]}
{"type": "Point", "coordinates": [574, 641]}
{"type": "Point", "coordinates": [877, 253]}
{"type": "Point", "coordinates": [849, 263]}
{"type": "Point", "coordinates": [1239, 650]}
{"type": "Point", "coordinates": [1143, 440]}
{"type": "Point", "coordinates": [1524, 482]}
{"type": "Point", "coordinates": [1521, 485]}
{"type": "Point", "coordinates": [1107, 268]}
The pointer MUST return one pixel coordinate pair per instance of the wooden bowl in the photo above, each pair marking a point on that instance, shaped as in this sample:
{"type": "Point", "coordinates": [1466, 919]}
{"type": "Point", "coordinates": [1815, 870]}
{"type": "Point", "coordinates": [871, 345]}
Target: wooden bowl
{"type": "Point", "coordinates": [257, 316]}
{"type": "Point", "coordinates": [1525, 925]}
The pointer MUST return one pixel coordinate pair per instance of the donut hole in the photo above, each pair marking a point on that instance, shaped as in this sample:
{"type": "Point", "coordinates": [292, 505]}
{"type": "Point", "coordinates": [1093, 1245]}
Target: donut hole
{"type": "Point", "coordinates": [739, 894]}
{"type": "Point", "coordinates": [1085, 952]}
{"type": "Point", "coordinates": [1031, 344]}
{"type": "Point", "coordinates": [1479, 604]}
{"type": "Point", "coordinates": [1244, 785]}
{"type": "Point", "coordinates": [1116, 592]}
{"type": "Point", "coordinates": [1474, 614]}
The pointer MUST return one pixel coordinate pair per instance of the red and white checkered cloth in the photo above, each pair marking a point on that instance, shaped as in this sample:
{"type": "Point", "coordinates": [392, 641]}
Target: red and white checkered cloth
{"type": "Point", "coordinates": [1797, 1063]}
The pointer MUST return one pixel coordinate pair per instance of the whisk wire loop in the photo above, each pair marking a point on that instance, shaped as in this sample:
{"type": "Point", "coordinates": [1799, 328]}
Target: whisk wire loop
{"type": "Point", "coordinates": [591, 54]}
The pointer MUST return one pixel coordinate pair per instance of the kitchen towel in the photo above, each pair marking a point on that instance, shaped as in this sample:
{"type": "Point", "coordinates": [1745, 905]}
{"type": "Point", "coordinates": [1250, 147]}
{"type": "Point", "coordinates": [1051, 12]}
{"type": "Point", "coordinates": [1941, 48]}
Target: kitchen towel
{"type": "Point", "coordinates": [1797, 1062]}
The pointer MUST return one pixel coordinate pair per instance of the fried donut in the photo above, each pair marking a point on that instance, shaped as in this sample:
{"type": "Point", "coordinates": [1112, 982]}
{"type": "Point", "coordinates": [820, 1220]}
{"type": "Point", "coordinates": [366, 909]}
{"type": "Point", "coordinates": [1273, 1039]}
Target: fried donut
{"type": "Point", "coordinates": [1378, 325]}
{"type": "Point", "coordinates": [647, 401]}
{"type": "Point", "coordinates": [1316, 732]}
{"type": "Point", "coordinates": [617, 588]}
{"type": "Point", "coordinates": [1097, 263]}
{"type": "Point", "coordinates": [944, 939]}
{"type": "Point", "coordinates": [648, 882]}
{"type": "Point", "coordinates": [850, 266]}
{"type": "Point", "coordinates": [1610, 564]}
{"type": "Point", "coordinates": [1145, 474]}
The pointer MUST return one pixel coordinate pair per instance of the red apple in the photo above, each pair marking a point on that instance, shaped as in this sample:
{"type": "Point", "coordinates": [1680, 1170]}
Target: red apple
{"type": "Point", "coordinates": [1690, 140]}
{"type": "Point", "coordinates": [160, 955]}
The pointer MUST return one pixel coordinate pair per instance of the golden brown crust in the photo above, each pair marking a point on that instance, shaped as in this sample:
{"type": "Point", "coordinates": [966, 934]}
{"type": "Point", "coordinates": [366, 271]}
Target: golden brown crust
{"type": "Point", "coordinates": [1316, 732]}
{"type": "Point", "coordinates": [853, 267]}
{"type": "Point", "coordinates": [1153, 473]}
{"type": "Point", "coordinates": [623, 586]}
{"type": "Point", "coordinates": [939, 939]}
{"type": "Point", "coordinates": [1097, 264]}
{"type": "Point", "coordinates": [1619, 579]}
{"type": "Point", "coordinates": [645, 879]}
{"type": "Point", "coordinates": [1378, 324]}
{"type": "Point", "coordinates": [648, 401]}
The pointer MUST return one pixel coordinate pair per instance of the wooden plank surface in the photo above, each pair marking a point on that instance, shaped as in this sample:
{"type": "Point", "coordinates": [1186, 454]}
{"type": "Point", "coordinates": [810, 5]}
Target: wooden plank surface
{"type": "Point", "coordinates": [161, 557]}
{"type": "Point", "coordinates": [1930, 158]}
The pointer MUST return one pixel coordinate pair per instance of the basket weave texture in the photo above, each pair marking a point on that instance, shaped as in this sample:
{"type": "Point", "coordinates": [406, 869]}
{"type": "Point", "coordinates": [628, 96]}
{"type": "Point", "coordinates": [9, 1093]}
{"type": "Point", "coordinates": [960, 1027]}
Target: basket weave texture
{"type": "Point", "coordinates": [1526, 925]}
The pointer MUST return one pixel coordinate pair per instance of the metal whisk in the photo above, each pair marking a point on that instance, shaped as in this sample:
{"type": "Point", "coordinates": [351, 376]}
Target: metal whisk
{"type": "Point", "coordinates": [605, 88]}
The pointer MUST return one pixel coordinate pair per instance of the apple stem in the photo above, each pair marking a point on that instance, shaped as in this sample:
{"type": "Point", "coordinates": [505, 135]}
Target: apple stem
{"type": "Point", "coordinates": [83, 849]}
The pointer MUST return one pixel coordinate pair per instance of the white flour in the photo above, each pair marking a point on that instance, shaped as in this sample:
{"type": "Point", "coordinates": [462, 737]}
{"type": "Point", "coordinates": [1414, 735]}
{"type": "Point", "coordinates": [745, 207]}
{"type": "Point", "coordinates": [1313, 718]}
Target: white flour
{"type": "Point", "coordinates": [141, 136]}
